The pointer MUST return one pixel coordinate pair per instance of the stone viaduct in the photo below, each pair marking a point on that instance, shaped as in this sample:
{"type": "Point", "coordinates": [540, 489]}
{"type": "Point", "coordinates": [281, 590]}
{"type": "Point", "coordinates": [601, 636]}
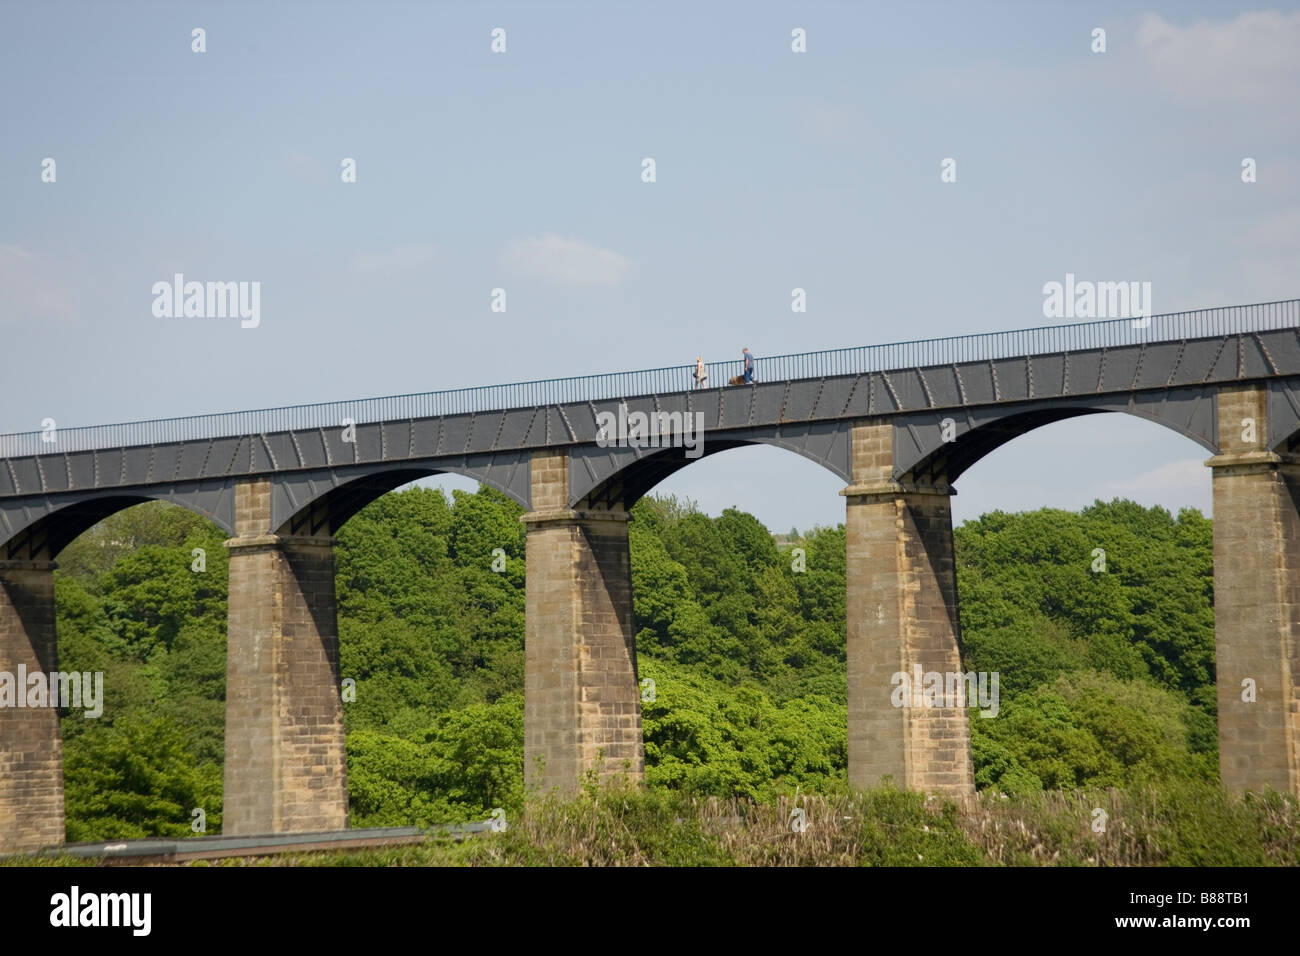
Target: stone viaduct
{"type": "Point", "coordinates": [898, 423]}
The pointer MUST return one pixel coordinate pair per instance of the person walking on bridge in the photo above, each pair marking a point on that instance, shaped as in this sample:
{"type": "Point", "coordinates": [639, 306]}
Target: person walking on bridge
{"type": "Point", "coordinates": [749, 367]}
{"type": "Point", "coordinates": [701, 376]}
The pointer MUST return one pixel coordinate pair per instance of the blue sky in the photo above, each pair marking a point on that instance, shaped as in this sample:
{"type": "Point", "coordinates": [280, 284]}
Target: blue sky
{"type": "Point", "coordinates": [522, 170]}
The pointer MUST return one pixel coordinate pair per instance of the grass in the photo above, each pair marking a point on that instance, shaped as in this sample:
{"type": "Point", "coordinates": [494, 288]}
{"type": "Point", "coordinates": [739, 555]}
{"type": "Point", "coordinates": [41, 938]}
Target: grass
{"type": "Point", "coordinates": [1176, 824]}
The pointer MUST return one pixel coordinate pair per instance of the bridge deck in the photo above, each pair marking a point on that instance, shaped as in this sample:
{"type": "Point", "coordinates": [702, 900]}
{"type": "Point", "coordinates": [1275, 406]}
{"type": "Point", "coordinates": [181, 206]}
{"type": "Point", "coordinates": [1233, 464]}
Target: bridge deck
{"type": "Point", "coordinates": [1169, 371]}
{"type": "Point", "coordinates": [888, 359]}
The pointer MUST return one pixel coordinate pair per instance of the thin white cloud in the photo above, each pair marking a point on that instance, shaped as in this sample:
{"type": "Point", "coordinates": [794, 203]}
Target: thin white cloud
{"type": "Point", "coordinates": [29, 291]}
{"type": "Point", "coordinates": [1181, 480]}
{"type": "Point", "coordinates": [398, 259]}
{"type": "Point", "coordinates": [565, 261]}
{"type": "Point", "coordinates": [1249, 59]}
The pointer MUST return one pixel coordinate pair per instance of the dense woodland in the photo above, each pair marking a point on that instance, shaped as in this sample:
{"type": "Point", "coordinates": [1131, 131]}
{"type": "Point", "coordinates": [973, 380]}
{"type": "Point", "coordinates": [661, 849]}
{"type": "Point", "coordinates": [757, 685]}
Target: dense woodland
{"type": "Point", "coordinates": [1106, 678]}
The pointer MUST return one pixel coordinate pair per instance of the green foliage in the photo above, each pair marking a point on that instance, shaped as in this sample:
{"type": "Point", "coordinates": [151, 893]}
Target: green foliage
{"type": "Point", "coordinates": [1106, 679]}
{"type": "Point", "coordinates": [130, 605]}
{"type": "Point", "coordinates": [1087, 729]}
{"type": "Point", "coordinates": [704, 737]}
{"type": "Point", "coordinates": [136, 778]}
{"type": "Point", "coordinates": [897, 829]}
{"type": "Point", "coordinates": [424, 622]}
{"type": "Point", "coordinates": [1148, 615]}
{"type": "Point", "coordinates": [717, 595]}
{"type": "Point", "coordinates": [467, 763]}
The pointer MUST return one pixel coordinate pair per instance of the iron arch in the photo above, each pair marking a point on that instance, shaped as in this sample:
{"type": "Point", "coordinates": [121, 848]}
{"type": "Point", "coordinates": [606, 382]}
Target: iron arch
{"type": "Point", "coordinates": [320, 502]}
{"type": "Point", "coordinates": [602, 476]}
{"type": "Point", "coordinates": [943, 444]}
{"type": "Point", "coordinates": [40, 527]}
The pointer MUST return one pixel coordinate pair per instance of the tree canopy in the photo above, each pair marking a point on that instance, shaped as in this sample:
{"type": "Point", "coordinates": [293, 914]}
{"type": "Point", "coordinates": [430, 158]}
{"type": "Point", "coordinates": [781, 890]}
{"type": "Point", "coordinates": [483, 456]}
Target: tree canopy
{"type": "Point", "coordinates": [1106, 676]}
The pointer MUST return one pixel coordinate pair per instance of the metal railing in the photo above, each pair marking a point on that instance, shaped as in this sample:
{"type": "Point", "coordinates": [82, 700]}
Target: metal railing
{"type": "Point", "coordinates": [1112, 333]}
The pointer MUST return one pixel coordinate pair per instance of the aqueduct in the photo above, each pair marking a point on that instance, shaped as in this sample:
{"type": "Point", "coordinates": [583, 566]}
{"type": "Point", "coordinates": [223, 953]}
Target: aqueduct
{"type": "Point", "coordinates": [898, 423]}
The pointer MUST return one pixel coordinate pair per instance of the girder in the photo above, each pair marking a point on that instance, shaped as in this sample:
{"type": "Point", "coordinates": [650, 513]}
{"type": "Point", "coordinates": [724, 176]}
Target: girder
{"type": "Point", "coordinates": [945, 417]}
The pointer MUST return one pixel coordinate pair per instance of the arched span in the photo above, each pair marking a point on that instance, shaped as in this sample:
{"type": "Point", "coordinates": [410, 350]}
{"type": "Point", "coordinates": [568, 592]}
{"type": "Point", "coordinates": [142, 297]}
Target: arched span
{"type": "Point", "coordinates": [319, 502]}
{"type": "Point", "coordinates": [601, 476]}
{"type": "Point", "coordinates": [38, 528]}
{"type": "Point", "coordinates": [945, 444]}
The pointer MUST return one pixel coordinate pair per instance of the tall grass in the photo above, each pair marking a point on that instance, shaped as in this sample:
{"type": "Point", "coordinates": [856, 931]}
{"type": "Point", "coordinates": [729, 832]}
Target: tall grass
{"type": "Point", "coordinates": [1183, 823]}
{"type": "Point", "coordinates": [1177, 824]}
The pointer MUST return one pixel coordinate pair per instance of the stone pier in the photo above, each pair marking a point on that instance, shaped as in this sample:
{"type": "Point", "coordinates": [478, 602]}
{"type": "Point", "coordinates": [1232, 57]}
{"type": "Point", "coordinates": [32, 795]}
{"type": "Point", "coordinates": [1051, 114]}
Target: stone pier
{"type": "Point", "coordinates": [285, 768]}
{"type": "Point", "coordinates": [31, 747]}
{"type": "Point", "coordinates": [901, 603]}
{"type": "Point", "coordinates": [1256, 598]}
{"type": "Point", "coordinates": [582, 703]}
